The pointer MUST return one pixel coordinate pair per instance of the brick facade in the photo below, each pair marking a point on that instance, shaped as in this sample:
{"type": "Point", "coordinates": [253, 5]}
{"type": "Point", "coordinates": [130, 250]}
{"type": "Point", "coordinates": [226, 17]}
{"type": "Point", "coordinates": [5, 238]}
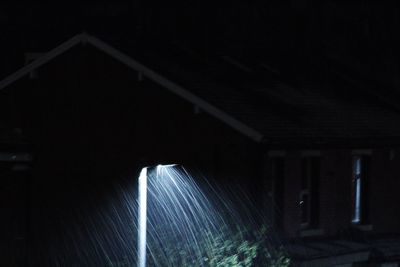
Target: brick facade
{"type": "Point", "coordinates": [335, 204]}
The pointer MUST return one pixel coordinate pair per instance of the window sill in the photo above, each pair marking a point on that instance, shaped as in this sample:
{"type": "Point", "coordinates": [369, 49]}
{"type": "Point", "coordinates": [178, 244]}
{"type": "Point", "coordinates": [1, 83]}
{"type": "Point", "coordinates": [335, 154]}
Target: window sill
{"type": "Point", "coordinates": [363, 227]}
{"type": "Point", "coordinates": [312, 232]}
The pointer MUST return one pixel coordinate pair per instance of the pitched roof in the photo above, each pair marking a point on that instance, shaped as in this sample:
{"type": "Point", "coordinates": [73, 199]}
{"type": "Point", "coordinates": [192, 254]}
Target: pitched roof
{"type": "Point", "coordinates": [251, 97]}
{"type": "Point", "coordinates": [137, 66]}
{"type": "Point", "coordinates": [284, 112]}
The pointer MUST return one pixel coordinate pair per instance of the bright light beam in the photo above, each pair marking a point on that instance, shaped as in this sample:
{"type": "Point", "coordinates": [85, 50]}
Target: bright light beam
{"type": "Point", "coordinates": [142, 218]}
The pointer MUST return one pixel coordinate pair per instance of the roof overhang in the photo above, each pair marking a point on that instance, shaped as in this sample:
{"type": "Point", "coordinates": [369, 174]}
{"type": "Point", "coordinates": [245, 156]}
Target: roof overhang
{"type": "Point", "coordinates": [145, 71]}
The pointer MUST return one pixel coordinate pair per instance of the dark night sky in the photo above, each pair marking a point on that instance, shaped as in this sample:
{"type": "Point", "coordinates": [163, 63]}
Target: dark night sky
{"type": "Point", "coordinates": [299, 37]}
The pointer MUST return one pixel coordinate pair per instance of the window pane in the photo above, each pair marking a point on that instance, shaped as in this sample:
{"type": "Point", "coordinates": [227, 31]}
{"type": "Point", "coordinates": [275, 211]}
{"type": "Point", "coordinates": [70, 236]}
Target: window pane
{"type": "Point", "coordinates": [309, 196]}
{"type": "Point", "coordinates": [314, 188]}
{"type": "Point", "coordinates": [304, 208]}
{"type": "Point", "coordinates": [304, 173]}
{"type": "Point", "coordinates": [356, 189]}
{"type": "Point", "coordinates": [279, 190]}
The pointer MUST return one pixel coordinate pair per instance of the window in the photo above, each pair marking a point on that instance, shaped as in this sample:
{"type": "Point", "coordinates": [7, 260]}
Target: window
{"type": "Point", "coordinates": [359, 188]}
{"type": "Point", "coordinates": [309, 194]}
{"type": "Point", "coordinates": [275, 184]}
{"type": "Point", "coordinates": [278, 179]}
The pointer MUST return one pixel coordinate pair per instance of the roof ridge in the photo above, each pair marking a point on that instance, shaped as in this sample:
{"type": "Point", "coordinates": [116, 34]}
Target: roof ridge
{"type": "Point", "coordinates": [137, 66]}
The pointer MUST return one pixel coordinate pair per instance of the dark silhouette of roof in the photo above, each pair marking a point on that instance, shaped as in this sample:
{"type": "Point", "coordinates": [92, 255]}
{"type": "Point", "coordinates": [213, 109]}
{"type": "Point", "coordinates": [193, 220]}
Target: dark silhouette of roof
{"type": "Point", "coordinates": [282, 110]}
{"type": "Point", "coordinates": [254, 98]}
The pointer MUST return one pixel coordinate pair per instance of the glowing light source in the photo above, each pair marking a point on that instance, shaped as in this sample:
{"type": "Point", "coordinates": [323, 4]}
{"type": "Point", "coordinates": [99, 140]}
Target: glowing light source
{"type": "Point", "coordinates": [142, 218]}
{"type": "Point", "coordinates": [181, 222]}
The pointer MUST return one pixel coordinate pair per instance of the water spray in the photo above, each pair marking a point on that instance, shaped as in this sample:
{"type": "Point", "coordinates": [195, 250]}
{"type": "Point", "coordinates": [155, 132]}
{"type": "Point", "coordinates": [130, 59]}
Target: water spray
{"type": "Point", "coordinates": [182, 221]}
{"type": "Point", "coordinates": [142, 211]}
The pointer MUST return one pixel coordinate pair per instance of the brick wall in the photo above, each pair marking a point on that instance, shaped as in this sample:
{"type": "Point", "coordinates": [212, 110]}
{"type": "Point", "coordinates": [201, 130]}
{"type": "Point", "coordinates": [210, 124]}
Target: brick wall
{"type": "Point", "coordinates": [335, 192]}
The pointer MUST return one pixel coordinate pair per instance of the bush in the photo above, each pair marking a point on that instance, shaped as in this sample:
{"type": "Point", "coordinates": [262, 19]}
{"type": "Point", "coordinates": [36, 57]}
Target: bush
{"type": "Point", "coordinates": [246, 249]}
{"type": "Point", "coordinates": [240, 248]}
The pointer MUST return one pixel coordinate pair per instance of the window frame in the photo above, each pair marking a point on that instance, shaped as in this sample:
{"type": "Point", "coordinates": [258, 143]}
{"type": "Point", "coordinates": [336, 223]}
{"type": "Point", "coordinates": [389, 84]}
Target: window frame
{"type": "Point", "coordinates": [310, 188]}
{"type": "Point", "coordinates": [275, 158]}
{"type": "Point", "coordinates": [360, 192]}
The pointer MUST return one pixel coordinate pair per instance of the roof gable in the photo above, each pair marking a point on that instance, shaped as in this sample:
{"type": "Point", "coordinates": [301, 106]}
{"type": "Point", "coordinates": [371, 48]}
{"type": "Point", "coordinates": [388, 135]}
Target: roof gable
{"type": "Point", "coordinates": [144, 70]}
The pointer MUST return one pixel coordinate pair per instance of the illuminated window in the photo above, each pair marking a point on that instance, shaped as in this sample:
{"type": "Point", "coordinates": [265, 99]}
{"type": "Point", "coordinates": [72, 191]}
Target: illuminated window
{"type": "Point", "coordinates": [359, 188]}
{"type": "Point", "coordinates": [309, 194]}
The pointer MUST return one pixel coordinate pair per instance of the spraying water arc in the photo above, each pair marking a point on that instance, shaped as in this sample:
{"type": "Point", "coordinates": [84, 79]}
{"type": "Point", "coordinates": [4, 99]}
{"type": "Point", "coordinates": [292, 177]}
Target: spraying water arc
{"type": "Point", "coordinates": [142, 218]}
{"type": "Point", "coordinates": [183, 221]}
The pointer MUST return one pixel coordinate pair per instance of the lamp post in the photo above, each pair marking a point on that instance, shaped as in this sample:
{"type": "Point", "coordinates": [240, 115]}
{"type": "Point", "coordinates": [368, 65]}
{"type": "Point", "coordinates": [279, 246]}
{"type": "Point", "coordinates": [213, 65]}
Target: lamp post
{"type": "Point", "coordinates": [142, 218]}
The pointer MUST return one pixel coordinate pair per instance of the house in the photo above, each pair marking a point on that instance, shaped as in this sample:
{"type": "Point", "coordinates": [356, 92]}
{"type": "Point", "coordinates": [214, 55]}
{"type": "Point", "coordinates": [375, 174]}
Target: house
{"type": "Point", "coordinates": [321, 160]}
{"type": "Point", "coordinates": [15, 173]}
